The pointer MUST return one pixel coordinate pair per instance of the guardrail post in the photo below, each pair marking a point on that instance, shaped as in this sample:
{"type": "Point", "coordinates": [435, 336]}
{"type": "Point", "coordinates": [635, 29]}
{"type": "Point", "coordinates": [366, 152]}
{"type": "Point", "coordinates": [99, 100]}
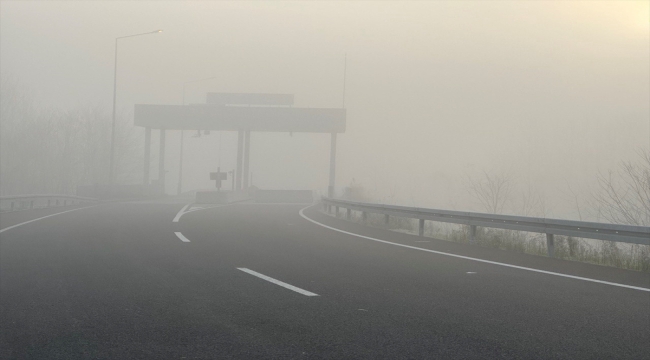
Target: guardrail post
{"type": "Point", "coordinates": [336, 213]}
{"type": "Point", "coordinates": [550, 245]}
{"type": "Point", "coordinates": [349, 213]}
{"type": "Point", "coordinates": [421, 228]}
{"type": "Point", "coordinates": [12, 206]}
{"type": "Point", "coordinates": [31, 204]}
{"type": "Point", "coordinates": [48, 202]}
{"type": "Point", "coordinates": [386, 217]}
{"type": "Point", "coordinates": [364, 216]}
{"type": "Point", "coordinates": [472, 234]}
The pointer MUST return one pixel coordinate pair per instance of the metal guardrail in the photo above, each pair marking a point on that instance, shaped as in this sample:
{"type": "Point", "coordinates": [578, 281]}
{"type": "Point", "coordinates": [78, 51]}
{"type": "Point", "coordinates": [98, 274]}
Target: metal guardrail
{"type": "Point", "coordinates": [24, 202]}
{"type": "Point", "coordinates": [550, 227]}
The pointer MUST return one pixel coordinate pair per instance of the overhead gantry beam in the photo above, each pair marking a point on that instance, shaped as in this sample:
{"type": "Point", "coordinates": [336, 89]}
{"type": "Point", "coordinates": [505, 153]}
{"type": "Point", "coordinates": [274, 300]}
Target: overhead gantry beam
{"type": "Point", "coordinates": [235, 118]}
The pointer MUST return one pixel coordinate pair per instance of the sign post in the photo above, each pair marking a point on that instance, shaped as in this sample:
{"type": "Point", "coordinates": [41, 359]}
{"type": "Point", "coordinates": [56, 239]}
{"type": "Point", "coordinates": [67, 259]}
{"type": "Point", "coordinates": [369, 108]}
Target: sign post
{"type": "Point", "coordinates": [218, 177]}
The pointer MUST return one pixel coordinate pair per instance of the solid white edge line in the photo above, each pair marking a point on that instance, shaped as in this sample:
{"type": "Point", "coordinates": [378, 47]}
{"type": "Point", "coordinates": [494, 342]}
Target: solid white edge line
{"type": "Point", "coordinates": [278, 282]}
{"type": "Point", "coordinates": [181, 236]}
{"type": "Point", "coordinates": [43, 217]}
{"type": "Point", "coordinates": [473, 259]}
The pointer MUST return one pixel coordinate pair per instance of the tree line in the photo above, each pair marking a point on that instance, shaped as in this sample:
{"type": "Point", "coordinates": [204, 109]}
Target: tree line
{"type": "Point", "coordinates": [54, 150]}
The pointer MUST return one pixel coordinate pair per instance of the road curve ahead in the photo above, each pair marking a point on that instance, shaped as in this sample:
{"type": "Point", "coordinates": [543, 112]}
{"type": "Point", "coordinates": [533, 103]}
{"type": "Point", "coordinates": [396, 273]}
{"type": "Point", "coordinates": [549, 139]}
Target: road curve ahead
{"type": "Point", "coordinates": [167, 280]}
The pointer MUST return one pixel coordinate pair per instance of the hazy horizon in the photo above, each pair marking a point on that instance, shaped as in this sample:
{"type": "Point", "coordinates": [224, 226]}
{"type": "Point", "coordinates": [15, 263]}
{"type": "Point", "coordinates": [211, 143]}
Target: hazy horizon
{"type": "Point", "coordinates": [550, 92]}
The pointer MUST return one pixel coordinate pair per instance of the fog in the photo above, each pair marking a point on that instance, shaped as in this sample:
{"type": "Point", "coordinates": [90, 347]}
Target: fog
{"type": "Point", "coordinates": [548, 93]}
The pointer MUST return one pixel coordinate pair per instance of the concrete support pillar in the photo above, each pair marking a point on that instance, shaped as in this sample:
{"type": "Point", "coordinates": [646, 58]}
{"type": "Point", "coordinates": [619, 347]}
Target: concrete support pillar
{"type": "Point", "coordinates": [247, 151]}
{"type": "Point", "coordinates": [161, 162]}
{"type": "Point", "coordinates": [550, 245]}
{"type": "Point", "coordinates": [240, 157]}
{"type": "Point", "coordinates": [330, 188]}
{"type": "Point", "coordinates": [472, 234]}
{"type": "Point", "coordinates": [179, 186]}
{"type": "Point", "coordinates": [421, 228]}
{"type": "Point", "coordinates": [147, 156]}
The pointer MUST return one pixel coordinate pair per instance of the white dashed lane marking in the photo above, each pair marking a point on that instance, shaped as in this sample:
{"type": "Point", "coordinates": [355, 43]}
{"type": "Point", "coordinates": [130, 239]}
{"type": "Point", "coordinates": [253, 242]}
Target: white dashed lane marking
{"type": "Point", "coordinates": [278, 282]}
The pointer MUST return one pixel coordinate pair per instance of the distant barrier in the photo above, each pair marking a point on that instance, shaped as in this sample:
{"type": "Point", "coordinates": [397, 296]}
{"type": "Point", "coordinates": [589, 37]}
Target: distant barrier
{"type": "Point", "coordinates": [550, 227]}
{"type": "Point", "coordinates": [284, 196]}
{"type": "Point", "coordinates": [24, 202]}
{"type": "Point", "coordinates": [220, 197]}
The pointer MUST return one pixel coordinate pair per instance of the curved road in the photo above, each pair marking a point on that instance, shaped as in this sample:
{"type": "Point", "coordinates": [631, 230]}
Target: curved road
{"type": "Point", "coordinates": [161, 280]}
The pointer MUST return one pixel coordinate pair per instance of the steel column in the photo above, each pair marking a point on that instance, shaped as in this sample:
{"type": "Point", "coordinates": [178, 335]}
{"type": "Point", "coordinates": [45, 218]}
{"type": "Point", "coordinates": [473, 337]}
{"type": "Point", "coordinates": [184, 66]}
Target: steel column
{"type": "Point", "coordinates": [147, 154]}
{"type": "Point", "coordinates": [550, 245]}
{"type": "Point", "coordinates": [161, 162]}
{"type": "Point", "coordinates": [472, 234]}
{"type": "Point", "coordinates": [179, 189]}
{"type": "Point", "coordinates": [330, 189]}
{"type": "Point", "coordinates": [240, 155]}
{"type": "Point", "coordinates": [247, 153]}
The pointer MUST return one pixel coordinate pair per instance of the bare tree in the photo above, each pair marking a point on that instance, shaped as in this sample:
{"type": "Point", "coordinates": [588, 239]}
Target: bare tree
{"type": "Point", "coordinates": [48, 150]}
{"type": "Point", "coordinates": [533, 203]}
{"type": "Point", "coordinates": [492, 192]}
{"type": "Point", "coordinates": [623, 195]}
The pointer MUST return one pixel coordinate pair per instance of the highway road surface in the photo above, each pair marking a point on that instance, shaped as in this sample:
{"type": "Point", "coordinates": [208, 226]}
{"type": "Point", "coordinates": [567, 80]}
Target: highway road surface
{"type": "Point", "coordinates": [168, 280]}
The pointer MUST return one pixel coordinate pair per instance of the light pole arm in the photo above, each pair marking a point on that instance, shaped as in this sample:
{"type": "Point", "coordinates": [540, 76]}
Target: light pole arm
{"type": "Point", "coordinates": [111, 165]}
{"type": "Point", "coordinates": [147, 33]}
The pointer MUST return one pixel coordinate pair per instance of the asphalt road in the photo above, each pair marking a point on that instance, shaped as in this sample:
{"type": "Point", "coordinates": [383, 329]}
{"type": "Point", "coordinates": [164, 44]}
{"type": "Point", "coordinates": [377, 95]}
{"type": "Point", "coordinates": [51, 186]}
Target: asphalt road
{"type": "Point", "coordinates": [245, 281]}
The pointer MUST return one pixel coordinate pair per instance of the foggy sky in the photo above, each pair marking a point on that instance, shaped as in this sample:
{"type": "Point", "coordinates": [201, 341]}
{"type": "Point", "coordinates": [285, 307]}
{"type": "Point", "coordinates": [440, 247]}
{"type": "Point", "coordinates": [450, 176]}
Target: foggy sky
{"type": "Point", "coordinates": [552, 92]}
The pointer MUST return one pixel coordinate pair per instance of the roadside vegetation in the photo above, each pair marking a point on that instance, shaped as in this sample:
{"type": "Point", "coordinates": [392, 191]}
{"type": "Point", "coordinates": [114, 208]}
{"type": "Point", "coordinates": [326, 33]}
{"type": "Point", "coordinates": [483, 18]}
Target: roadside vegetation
{"type": "Point", "coordinates": [622, 197]}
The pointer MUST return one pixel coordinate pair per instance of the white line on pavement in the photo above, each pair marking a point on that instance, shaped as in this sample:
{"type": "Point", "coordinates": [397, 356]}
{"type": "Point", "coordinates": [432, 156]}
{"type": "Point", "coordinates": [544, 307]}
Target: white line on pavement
{"type": "Point", "coordinates": [43, 217]}
{"type": "Point", "coordinates": [473, 259]}
{"type": "Point", "coordinates": [180, 213]}
{"type": "Point", "coordinates": [184, 210]}
{"type": "Point", "coordinates": [181, 236]}
{"type": "Point", "coordinates": [278, 282]}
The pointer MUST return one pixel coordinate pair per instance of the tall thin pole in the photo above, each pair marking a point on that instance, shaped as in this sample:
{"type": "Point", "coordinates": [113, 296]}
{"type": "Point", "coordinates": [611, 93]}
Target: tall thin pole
{"type": "Point", "coordinates": [180, 163]}
{"type": "Point", "coordinates": [345, 68]}
{"type": "Point", "coordinates": [331, 188]}
{"type": "Point", "coordinates": [111, 165]}
{"type": "Point", "coordinates": [112, 156]}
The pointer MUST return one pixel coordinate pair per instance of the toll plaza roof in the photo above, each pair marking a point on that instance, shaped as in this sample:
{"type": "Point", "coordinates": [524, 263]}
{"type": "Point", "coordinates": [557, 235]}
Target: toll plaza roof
{"type": "Point", "coordinates": [249, 99]}
{"type": "Point", "coordinates": [234, 118]}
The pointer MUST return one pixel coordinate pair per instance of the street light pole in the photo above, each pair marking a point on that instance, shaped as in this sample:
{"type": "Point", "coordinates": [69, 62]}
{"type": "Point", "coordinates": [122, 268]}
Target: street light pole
{"type": "Point", "coordinates": [180, 165]}
{"type": "Point", "coordinates": [111, 168]}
